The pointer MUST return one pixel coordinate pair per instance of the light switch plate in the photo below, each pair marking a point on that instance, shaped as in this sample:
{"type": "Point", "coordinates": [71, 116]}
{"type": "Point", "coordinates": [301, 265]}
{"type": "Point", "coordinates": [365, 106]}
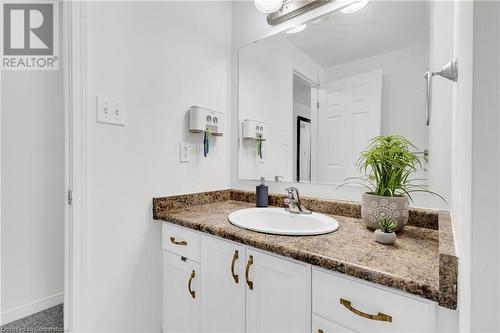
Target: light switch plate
{"type": "Point", "coordinates": [185, 152]}
{"type": "Point", "coordinates": [111, 111]}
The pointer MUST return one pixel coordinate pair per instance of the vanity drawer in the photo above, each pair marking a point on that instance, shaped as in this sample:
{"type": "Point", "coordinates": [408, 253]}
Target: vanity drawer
{"type": "Point", "coordinates": [181, 241]}
{"type": "Point", "coordinates": [321, 325]}
{"type": "Point", "coordinates": [364, 307]}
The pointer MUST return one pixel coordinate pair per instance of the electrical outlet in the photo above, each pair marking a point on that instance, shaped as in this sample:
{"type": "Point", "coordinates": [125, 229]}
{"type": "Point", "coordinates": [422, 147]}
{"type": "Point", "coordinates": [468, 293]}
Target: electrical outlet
{"type": "Point", "coordinates": [110, 111]}
{"type": "Point", "coordinates": [185, 152]}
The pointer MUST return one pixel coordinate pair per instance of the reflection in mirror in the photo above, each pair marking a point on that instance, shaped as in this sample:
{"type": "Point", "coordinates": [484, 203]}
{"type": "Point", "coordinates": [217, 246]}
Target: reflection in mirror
{"type": "Point", "coordinates": [302, 90]}
{"type": "Point", "coordinates": [325, 91]}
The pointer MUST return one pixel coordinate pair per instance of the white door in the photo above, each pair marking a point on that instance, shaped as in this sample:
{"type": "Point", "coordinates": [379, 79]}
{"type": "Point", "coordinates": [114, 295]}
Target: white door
{"type": "Point", "coordinates": [305, 152]}
{"type": "Point", "coordinates": [278, 294]}
{"type": "Point", "coordinates": [223, 285]}
{"type": "Point", "coordinates": [349, 116]}
{"type": "Point", "coordinates": [181, 294]}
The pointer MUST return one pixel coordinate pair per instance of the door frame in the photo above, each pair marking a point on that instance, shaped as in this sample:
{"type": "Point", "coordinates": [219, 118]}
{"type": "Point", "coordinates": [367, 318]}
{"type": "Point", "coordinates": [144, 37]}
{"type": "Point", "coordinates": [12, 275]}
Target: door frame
{"type": "Point", "coordinates": [299, 120]}
{"type": "Point", "coordinates": [1, 322]}
{"type": "Point", "coordinates": [74, 78]}
{"type": "Point", "coordinates": [313, 85]}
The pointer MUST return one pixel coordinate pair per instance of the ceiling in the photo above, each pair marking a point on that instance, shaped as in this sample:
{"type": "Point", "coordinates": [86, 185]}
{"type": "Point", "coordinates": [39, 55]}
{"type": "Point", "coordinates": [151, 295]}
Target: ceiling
{"type": "Point", "coordinates": [380, 27]}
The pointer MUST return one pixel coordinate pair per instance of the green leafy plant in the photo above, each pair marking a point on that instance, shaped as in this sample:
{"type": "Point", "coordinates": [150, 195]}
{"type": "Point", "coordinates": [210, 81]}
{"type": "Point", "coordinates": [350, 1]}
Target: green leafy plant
{"type": "Point", "coordinates": [388, 164]}
{"type": "Point", "coordinates": [387, 225]}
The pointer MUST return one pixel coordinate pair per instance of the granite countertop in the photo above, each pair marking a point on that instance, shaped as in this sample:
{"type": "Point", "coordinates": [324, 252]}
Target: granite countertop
{"type": "Point", "coordinates": [422, 261]}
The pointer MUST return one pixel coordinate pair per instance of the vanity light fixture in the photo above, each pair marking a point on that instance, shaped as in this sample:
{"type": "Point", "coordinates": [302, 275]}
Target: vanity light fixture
{"type": "Point", "coordinates": [352, 8]}
{"type": "Point", "coordinates": [268, 6]}
{"type": "Point", "coordinates": [297, 29]}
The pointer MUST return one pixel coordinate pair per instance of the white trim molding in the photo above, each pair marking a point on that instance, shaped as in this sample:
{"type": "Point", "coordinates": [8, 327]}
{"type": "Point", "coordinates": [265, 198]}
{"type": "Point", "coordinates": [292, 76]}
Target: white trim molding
{"type": "Point", "coordinates": [74, 67]}
{"type": "Point", "coordinates": [1, 320]}
{"type": "Point", "coordinates": [31, 308]}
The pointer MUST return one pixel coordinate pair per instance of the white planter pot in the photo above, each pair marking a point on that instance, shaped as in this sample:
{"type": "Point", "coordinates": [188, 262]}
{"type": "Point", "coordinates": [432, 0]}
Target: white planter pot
{"type": "Point", "coordinates": [385, 238]}
{"type": "Point", "coordinates": [374, 207]}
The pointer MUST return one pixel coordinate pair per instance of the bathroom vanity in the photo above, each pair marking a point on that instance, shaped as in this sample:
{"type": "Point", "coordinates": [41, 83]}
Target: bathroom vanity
{"type": "Point", "coordinates": [309, 101]}
{"type": "Point", "coordinates": [218, 277]}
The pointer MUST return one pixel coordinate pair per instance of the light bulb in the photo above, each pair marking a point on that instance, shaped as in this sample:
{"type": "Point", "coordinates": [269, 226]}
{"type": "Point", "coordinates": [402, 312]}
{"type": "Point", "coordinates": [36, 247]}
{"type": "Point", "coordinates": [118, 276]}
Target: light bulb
{"type": "Point", "coordinates": [268, 6]}
{"type": "Point", "coordinates": [354, 7]}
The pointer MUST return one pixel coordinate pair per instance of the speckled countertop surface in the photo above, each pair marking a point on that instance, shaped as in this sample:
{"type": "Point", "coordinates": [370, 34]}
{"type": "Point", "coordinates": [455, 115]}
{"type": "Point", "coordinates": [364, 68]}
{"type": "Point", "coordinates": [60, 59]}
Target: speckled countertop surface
{"type": "Point", "coordinates": [422, 261]}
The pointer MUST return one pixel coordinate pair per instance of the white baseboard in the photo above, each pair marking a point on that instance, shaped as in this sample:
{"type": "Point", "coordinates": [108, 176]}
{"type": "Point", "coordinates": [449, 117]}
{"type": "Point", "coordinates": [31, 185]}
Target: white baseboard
{"type": "Point", "coordinates": [31, 308]}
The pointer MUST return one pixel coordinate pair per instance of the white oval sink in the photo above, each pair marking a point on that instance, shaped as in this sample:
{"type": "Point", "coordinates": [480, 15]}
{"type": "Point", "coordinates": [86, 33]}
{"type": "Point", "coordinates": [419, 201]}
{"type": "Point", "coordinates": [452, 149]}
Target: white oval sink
{"type": "Point", "coordinates": [280, 222]}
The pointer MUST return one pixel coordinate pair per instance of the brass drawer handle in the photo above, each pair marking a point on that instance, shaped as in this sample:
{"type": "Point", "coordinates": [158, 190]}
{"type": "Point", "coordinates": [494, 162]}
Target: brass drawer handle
{"type": "Point", "coordinates": [249, 263]}
{"type": "Point", "coordinates": [172, 239]}
{"type": "Point", "coordinates": [380, 316]}
{"type": "Point", "coordinates": [191, 278]}
{"type": "Point", "coordinates": [235, 257]}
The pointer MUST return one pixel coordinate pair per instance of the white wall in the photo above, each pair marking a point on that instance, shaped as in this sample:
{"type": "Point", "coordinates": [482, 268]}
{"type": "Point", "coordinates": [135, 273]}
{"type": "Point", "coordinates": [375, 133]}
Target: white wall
{"type": "Point", "coordinates": [403, 93]}
{"type": "Point", "coordinates": [476, 163]}
{"type": "Point", "coordinates": [265, 86]}
{"type": "Point", "coordinates": [461, 151]}
{"type": "Point", "coordinates": [159, 58]}
{"type": "Point", "coordinates": [32, 193]}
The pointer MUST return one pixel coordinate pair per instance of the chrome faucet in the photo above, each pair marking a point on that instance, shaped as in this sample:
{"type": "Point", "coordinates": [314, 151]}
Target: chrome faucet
{"type": "Point", "coordinates": [293, 203]}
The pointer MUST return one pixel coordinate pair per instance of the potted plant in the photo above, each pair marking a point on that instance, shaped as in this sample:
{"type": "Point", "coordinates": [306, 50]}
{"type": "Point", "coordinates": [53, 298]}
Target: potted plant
{"type": "Point", "coordinates": [388, 165]}
{"type": "Point", "coordinates": [385, 234]}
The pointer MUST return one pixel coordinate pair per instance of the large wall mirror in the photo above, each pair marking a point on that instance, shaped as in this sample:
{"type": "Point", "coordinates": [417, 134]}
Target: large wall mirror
{"type": "Point", "coordinates": [311, 99]}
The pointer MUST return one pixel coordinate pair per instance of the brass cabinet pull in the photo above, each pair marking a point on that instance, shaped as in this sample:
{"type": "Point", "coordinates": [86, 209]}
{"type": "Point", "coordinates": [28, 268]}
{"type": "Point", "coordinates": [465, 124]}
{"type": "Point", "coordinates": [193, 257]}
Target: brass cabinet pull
{"type": "Point", "coordinates": [172, 239]}
{"type": "Point", "coordinates": [191, 278]}
{"type": "Point", "coordinates": [320, 330]}
{"type": "Point", "coordinates": [380, 316]}
{"type": "Point", "coordinates": [235, 257]}
{"type": "Point", "coordinates": [249, 263]}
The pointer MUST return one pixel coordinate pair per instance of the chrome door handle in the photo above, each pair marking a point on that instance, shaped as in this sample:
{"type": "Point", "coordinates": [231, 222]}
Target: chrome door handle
{"type": "Point", "coordinates": [428, 97]}
{"type": "Point", "coordinates": [448, 71]}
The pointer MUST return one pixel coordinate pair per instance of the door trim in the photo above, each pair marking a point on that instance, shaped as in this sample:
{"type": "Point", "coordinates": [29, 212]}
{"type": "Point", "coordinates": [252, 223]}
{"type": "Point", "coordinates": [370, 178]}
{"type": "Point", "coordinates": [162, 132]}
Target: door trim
{"type": "Point", "coordinates": [1, 323]}
{"type": "Point", "coordinates": [299, 120]}
{"type": "Point", "coordinates": [74, 69]}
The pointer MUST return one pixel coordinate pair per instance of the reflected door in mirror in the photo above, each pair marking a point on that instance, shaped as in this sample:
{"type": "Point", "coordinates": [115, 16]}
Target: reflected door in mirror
{"type": "Point", "coordinates": [349, 116]}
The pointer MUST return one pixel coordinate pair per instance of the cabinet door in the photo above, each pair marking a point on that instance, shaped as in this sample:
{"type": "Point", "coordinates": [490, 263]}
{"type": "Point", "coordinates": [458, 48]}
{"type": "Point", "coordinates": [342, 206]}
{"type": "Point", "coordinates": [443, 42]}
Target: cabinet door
{"type": "Point", "coordinates": [278, 294]}
{"type": "Point", "coordinates": [223, 285]}
{"type": "Point", "coordinates": [181, 294]}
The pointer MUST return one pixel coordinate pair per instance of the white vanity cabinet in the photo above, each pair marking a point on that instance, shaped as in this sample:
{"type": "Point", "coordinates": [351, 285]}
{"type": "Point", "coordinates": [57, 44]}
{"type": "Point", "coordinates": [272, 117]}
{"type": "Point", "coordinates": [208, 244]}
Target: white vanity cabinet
{"type": "Point", "coordinates": [236, 288]}
{"type": "Point", "coordinates": [278, 294]}
{"type": "Point", "coordinates": [214, 285]}
{"type": "Point", "coordinates": [181, 294]}
{"type": "Point", "coordinates": [223, 285]}
{"type": "Point", "coordinates": [247, 290]}
{"type": "Point", "coordinates": [351, 305]}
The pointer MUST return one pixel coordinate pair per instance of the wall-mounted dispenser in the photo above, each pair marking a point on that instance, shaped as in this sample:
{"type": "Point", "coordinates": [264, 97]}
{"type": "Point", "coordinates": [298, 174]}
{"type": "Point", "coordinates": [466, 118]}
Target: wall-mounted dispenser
{"type": "Point", "coordinates": [254, 129]}
{"type": "Point", "coordinates": [208, 122]}
{"type": "Point", "coordinates": [202, 119]}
